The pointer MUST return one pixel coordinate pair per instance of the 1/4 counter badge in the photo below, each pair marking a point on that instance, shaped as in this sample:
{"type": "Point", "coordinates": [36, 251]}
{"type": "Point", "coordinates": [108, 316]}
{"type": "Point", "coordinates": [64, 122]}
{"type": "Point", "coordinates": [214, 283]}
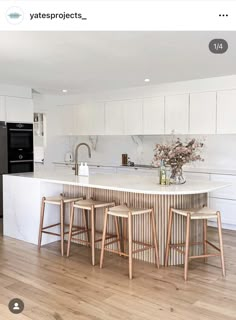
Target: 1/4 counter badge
{"type": "Point", "coordinates": [218, 46]}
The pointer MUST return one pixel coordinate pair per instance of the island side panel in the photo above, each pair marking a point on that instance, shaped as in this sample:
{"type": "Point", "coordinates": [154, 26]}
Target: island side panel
{"type": "Point", "coordinates": [142, 226]}
{"type": "Point", "coordinates": [21, 208]}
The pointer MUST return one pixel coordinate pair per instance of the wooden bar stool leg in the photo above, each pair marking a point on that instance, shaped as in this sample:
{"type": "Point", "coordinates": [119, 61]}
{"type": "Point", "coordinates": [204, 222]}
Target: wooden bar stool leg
{"type": "Point", "coordinates": [154, 233]}
{"type": "Point", "coordinates": [93, 234]}
{"type": "Point", "coordinates": [62, 227]}
{"type": "Point", "coordinates": [41, 222]}
{"type": "Point", "coordinates": [168, 241]}
{"type": "Point", "coordinates": [86, 224]}
{"type": "Point", "coordinates": [70, 230]}
{"type": "Point", "coordinates": [186, 260]}
{"type": "Point", "coordinates": [205, 238]}
{"type": "Point", "coordinates": [221, 243]}
{"type": "Point", "coordinates": [130, 245]}
{"type": "Point", "coordinates": [117, 234]}
{"type": "Point", "coordinates": [125, 234]}
{"type": "Point", "coordinates": [103, 238]}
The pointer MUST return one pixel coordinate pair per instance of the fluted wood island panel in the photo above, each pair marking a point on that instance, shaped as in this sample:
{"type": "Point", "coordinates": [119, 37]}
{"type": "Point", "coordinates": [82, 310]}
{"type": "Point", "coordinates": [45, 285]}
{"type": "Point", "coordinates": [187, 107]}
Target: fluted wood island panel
{"type": "Point", "coordinates": [142, 226]}
{"type": "Point", "coordinates": [23, 192]}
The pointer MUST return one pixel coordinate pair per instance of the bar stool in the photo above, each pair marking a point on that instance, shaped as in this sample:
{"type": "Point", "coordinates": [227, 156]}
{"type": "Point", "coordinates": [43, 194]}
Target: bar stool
{"type": "Point", "coordinates": [123, 211]}
{"type": "Point", "coordinates": [195, 214]}
{"type": "Point", "coordinates": [60, 201]}
{"type": "Point", "coordinates": [89, 205]}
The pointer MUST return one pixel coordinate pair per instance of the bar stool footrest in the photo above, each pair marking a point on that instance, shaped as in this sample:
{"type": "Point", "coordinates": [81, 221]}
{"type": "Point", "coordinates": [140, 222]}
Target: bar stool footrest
{"type": "Point", "coordinates": [52, 233]}
{"type": "Point", "coordinates": [117, 252]}
{"type": "Point", "coordinates": [51, 226]}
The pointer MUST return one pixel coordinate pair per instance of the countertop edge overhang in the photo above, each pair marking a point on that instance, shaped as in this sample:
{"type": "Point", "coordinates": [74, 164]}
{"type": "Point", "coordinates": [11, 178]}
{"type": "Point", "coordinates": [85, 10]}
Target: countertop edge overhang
{"type": "Point", "coordinates": [126, 183]}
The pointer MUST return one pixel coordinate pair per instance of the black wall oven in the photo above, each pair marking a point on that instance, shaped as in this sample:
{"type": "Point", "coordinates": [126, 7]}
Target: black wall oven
{"type": "Point", "coordinates": [20, 147]}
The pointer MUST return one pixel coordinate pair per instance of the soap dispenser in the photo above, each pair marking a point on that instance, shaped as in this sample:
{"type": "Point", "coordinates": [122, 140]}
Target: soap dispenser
{"type": "Point", "coordinates": [86, 169]}
{"type": "Point", "coordinates": [81, 169]}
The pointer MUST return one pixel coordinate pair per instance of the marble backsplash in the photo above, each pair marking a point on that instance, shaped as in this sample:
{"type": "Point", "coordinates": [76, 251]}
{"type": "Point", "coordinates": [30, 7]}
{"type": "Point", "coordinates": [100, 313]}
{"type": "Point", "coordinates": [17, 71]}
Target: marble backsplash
{"type": "Point", "coordinates": [219, 150]}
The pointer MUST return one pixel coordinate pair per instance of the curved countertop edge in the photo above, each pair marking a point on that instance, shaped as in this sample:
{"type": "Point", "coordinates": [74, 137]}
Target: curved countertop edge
{"type": "Point", "coordinates": [114, 183]}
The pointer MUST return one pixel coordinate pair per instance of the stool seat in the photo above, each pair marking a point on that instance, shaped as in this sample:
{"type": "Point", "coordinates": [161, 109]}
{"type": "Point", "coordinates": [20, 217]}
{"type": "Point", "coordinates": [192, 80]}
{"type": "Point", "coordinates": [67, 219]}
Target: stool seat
{"type": "Point", "coordinates": [87, 204]}
{"type": "Point", "coordinates": [57, 200]}
{"type": "Point", "coordinates": [123, 211]}
{"type": "Point", "coordinates": [197, 213]}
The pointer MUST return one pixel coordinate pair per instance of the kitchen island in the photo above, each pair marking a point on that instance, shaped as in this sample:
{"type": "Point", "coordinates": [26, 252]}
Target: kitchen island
{"type": "Point", "coordinates": [23, 192]}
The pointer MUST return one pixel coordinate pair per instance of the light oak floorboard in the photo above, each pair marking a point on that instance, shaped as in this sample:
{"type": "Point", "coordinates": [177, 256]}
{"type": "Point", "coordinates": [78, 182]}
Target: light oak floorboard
{"type": "Point", "coordinates": [54, 287]}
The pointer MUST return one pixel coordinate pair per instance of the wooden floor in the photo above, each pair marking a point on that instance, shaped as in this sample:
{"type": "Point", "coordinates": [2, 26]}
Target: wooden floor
{"type": "Point", "coordinates": [58, 288]}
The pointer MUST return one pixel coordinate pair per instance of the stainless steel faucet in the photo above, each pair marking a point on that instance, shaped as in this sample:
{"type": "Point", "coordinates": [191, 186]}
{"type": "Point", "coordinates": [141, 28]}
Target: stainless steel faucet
{"type": "Point", "coordinates": [76, 156]}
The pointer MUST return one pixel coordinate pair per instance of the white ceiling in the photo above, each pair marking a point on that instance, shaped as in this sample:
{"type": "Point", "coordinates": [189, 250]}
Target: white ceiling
{"type": "Point", "coordinates": [85, 62]}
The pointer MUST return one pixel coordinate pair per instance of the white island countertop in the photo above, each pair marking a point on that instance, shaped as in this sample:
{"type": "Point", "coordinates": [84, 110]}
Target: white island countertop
{"type": "Point", "coordinates": [122, 182]}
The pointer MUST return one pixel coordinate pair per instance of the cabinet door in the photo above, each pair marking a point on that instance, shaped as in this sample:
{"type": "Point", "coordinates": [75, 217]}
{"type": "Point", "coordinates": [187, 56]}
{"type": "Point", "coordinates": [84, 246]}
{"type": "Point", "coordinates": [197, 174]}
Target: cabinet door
{"type": "Point", "coordinates": [202, 113]}
{"type": "Point", "coordinates": [227, 209]}
{"type": "Point", "coordinates": [19, 110]}
{"type": "Point", "coordinates": [226, 111]}
{"type": "Point", "coordinates": [177, 114]}
{"type": "Point", "coordinates": [133, 117]}
{"type": "Point", "coordinates": [114, 124]}
{"type": "Point", "coordinates": [96, 121]}
{"type": "Point", "coordinates": [2, 109]}
{"type": "Point", "coordinates": [228, 192]}
{"type": "Point", "coordinates": [89, 119]}
{"type": "Point", "coordinates": [196, 176]}
{"type": "Point", "coordinates": [153, 115]}
{"type": "Point", "coordinates": [64, 120]}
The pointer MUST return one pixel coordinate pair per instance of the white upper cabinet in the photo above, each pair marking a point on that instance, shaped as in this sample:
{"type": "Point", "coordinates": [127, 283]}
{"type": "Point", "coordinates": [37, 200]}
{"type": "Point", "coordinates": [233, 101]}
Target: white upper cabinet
{"type": "Point", "coordinates": [202, 113]}
{"type": "Point", "coordinates": [114, 115]}
{"type": "Point", "coordinates": [226, 111]}
{"type": "Point", "coordinates": [177, 114]}
{"type": "Point", "coordinates": [153, 115]}
{"type": "Point", "coordinates": [133, 117]}
{"type": "Point", "coordinates": [64, 120]}
{"type": "Point", "coordinates": [2, 109]}
{"type": "Point", "coordinates": [89, 119]}
{"type": "Point", "coordinates": [19, 110]}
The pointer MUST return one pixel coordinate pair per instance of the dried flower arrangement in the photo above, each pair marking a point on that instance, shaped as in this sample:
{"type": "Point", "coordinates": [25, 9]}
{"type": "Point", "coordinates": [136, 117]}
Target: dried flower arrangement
{"type": "Point", "coordinates": [177, 153]}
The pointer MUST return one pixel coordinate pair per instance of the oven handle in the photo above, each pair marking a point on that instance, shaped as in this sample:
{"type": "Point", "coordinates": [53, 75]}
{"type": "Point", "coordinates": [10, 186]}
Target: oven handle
{"type": "Point", "coordinates": [21, 130]}
{"type": "Point", "coordinates": [20, 161]}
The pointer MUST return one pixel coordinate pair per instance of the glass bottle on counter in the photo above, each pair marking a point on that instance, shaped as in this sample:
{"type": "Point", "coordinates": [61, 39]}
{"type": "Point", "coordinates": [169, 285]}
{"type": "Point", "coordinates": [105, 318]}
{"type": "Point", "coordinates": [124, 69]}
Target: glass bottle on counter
{"type": "Point", "coordinates": [168, 174]}
{"type": "Point", "coordinates": [162, 173]}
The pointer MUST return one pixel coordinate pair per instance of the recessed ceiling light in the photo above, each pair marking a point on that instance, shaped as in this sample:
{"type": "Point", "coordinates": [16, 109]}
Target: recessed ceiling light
{"type": "Point", "coordinates": [146, 80]}
{"type": "Point", "coordinates": [64, 90]}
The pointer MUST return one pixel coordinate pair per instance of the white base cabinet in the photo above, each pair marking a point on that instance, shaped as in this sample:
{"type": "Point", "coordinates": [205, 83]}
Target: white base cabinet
{"type": "Point", "coordinates": [228, 212]}
{"type": "Point", "coordinates": [223, 200]}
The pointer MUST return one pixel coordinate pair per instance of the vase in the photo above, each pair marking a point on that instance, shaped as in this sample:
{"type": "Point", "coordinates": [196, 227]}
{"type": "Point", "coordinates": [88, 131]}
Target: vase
{"type": "Point", "coordinates": [177, 176]}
